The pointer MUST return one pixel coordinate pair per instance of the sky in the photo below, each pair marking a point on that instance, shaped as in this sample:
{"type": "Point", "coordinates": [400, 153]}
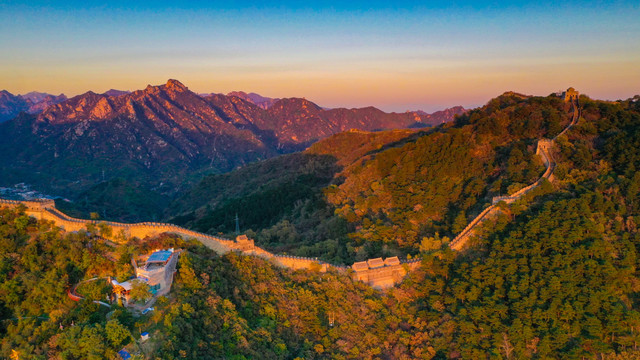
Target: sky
{"type": "Point", "coordinates": [396, 56]}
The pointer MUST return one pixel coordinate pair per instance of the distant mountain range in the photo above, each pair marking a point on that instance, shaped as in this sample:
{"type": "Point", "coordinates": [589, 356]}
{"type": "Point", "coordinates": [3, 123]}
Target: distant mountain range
{"type": "Point", "coordinates": [165, 135]}
{"type": "Point", "coordinates": [442, 116]}
{"type": "Point", "coordinates": [261, 101]}
{"type": "Point", "coordinates": [114, 92]}
{"type": "Point", "coordinates": [32, 103]}
{"type": "Point", "coordinates": [36, 102]}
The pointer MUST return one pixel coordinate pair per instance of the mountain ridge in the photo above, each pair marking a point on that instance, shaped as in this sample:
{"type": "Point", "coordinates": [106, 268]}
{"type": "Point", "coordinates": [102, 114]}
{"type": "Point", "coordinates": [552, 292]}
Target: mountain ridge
{"type": "Point", "coordinates": [163, 136]}
{"type": "Point", "coordinates": [31, 103]}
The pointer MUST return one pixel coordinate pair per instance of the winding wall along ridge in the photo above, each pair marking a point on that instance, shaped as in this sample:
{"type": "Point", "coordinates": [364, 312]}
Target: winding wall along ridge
{"type": "Point", "coordinates": [544, 148]}
{"type": "Point", "coordinates": [45, 210]}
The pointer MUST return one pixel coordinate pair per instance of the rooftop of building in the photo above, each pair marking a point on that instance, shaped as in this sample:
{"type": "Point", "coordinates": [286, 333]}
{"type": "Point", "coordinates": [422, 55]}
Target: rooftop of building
{"type": "Point", "coordinates": [375, 263]}
{"type": "Point", "coordinates": [359, 266]}
{"type": "Point", "coordinates": [125, 284]}
{"type": "Point", "coordinates": [391, 261]}
{"type": "Point", "coordinates": [160, 256]}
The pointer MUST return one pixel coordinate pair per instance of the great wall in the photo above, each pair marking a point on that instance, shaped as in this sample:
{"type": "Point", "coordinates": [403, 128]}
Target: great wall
{"type": "Point", "coordinates": [543, 149]}
{"type": "Point", "coordinates": [377, 272]}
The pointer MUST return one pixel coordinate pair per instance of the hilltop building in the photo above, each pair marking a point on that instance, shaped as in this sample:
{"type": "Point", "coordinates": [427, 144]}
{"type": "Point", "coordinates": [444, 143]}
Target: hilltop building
{"type": "Point", "coordinates": [157, 271]}
{"type": "Point", "coordinates": [570, 95]}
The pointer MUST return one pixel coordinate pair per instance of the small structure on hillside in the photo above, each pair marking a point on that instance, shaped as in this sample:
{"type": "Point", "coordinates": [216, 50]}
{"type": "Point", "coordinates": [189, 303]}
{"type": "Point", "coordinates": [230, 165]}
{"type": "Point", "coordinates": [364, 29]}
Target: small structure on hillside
{"type": "Point", "coordinates": [124, 354]}
{"type": "Point", "coordinates": [244, 243]}
{"type": "Point", "coordinates": [379, 273]}
{"type": "Point", "coordinates": [157, 271]}
{"type": "Point", "coordinates": [570, 95]}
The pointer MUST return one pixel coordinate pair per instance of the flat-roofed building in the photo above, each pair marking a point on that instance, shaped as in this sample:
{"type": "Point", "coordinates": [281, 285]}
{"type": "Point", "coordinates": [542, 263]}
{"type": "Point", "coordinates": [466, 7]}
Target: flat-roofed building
{"type": "Point", "coordinates": [158, 270]}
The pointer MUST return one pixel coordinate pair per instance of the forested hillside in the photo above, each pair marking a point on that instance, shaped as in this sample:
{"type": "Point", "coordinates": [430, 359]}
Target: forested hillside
{"type": "Point", "coordinates": [394, 192]}
{"type": "Point", "coordinates": [554, 276]}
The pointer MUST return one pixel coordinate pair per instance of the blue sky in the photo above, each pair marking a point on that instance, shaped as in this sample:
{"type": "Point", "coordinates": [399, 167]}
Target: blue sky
{"type": "Point", "coordinates": [393, 56]}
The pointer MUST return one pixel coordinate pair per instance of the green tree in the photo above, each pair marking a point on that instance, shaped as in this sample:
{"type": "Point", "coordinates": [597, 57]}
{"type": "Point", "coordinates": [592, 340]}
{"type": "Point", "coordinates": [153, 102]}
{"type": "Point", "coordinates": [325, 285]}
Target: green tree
{"type": "Point", "coordinates": [106, 231]}
{"type": "Point", "coordinates": [140, 291]}
{"type": "Point", "coordinates": [116, 333]}
{"type": "Point", "coordinates": [459, 223]}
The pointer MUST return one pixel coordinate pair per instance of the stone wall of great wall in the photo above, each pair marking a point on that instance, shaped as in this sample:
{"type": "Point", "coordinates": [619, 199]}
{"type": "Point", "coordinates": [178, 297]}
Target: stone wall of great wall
{"type": "Point", "coordinates": [544, 150]}
{"type": "Point", "coordinates": [46, 210]}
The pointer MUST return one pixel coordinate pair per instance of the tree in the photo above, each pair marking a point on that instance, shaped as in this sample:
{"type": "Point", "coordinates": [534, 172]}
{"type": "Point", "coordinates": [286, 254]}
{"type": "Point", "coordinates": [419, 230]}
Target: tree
{"type": "Point", "coordinates": [139, 291]}
{"type": "Point", "coordinates": [459, 223]}
{"type": "Point", "coordinates": [106, 231]}
{"type": "Point", "coordinates": [116, 333]}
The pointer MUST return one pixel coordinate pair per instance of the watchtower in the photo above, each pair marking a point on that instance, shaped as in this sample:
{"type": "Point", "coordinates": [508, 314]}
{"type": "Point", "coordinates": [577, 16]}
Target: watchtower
{"type": "Point", "coordinates": [570, 95]}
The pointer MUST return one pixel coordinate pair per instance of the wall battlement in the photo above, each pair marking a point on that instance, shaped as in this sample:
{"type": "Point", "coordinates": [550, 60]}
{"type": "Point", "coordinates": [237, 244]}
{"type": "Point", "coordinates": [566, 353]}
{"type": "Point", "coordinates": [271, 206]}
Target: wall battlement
{"type": "Point", "coordinates": [46, 210]}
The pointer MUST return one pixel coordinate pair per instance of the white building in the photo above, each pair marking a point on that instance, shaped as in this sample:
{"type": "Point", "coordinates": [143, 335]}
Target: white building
{"type": "Point", "coordinates": [158, 271]}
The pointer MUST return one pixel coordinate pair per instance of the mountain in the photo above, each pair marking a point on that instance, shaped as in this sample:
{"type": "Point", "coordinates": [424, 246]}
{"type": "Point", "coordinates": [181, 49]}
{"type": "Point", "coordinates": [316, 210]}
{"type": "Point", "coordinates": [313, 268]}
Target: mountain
{"type": "Point", "coordinates": [442, 116]}
{"type": "Point", "coordinates": [298, 122]}
{"type": "Point", "coordinates": [114, 92]}
{"type": "Point", "coordinates": [158, 136]}
{"type": "Point", "coordinates": [11, 105]}
{"type": "Point", "coordinates": [388, 190]}
{"type": "Point", "coordinates": [35, 97]}
{"type": "Point", "coordinates": [165, 136]}
{"type": "Point", "coordinates": [261, 101]}
{"type": "Point", "coordinates": [32, 103]}
{"type": "Point", "coordinates": [42, 101]}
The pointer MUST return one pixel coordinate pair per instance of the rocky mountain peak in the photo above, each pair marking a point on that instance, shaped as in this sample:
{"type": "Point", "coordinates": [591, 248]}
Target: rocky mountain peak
{"type": "Point", "coordinates": [175, 85]}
